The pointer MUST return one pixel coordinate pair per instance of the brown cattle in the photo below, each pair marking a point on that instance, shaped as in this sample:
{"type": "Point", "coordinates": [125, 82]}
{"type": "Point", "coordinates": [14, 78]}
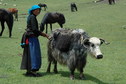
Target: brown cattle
{"type": "Point", "coordinates": [14, 11]}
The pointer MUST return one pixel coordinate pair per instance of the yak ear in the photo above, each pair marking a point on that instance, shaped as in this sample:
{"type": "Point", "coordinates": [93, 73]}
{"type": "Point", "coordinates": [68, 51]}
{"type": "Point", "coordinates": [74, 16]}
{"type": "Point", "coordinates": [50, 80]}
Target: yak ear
{"type": "Point", "coordinates": [103, 41]}
{"type": "Point", "coordinates": [55, 35]}
{"type": "Point", "coordinates": [86, 43]}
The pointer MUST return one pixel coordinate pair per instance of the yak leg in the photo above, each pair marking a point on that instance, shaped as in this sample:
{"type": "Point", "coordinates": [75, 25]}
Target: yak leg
{"type": "Point", "coordinates": [72, 73]}
{"type": "Point", "coordinates": [55, 67]}
{"type": "Point", "coordinates": [76, 8]}
{"type": "Point", "coordinates": [46, 28]}
{"type": "Point", "coordinates": [61, 25]}
{"type": "Point", "coordinates": [110, 2]}
{"type": "Point", "coordinates": [16, 16]}
{"type": "Point", "coordinates": [48, 69]}
{"type": "Point", "coordinates": [113, 1]}
{"type": "Point", "coordinates": [80, 65]}
{"type": "Point", "coordinates": [72, 10]}
{"type": "Point", "coordinates": [72, 67]}
{"type": "Point", "coordinates": [51, 27]}
{"type": "Point", "coordinates": [3, 27]}
{"type": "Point", "coordinates": [10, 28]}
{"type": "Point", "coordinates": [81, 74]}
{"type": "Point", "coordinates": [72, 64]}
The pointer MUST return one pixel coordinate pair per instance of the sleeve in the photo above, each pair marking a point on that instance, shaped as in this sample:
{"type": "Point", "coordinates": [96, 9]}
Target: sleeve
{"type": "Point", "coordinates": [34, 25]}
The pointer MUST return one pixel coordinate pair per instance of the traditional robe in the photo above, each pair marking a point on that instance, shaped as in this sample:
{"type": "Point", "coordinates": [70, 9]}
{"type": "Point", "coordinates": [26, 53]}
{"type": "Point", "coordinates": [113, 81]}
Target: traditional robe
{"type": "Point", "coordinates": [31, 59]}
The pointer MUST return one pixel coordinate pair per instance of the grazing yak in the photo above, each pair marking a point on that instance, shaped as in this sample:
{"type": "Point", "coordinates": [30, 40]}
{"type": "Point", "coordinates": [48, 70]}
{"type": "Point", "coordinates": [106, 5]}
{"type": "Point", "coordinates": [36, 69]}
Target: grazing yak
{"type": "Point", "coordinates": [6, 16]}
{"type": "Point", "coordinates": [73, 7]}
{"type": "Point", "coordinates": [43, 5]}
{"type": "Point", "coordinates": [70, 47]}
{"type": "Point", "coordinates": [50, 18]}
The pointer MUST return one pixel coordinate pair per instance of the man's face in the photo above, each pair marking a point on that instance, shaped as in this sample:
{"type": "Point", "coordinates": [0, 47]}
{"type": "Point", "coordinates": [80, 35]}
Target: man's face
{"type": "Point", "coordinates": [36, 12]}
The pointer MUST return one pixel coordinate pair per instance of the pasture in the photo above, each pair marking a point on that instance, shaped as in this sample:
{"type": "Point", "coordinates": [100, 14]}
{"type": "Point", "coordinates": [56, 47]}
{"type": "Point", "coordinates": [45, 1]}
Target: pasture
{"type": "Point", "coordinates": [98, 19]}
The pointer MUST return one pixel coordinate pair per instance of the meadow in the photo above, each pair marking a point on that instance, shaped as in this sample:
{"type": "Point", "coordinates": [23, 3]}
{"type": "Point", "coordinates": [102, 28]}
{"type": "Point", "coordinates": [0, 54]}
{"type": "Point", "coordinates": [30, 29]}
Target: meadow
{"type": "Point", "coordinates": [98, 19]}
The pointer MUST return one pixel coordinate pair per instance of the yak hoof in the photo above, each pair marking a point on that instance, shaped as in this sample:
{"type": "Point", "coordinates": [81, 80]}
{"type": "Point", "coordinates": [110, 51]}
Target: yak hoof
{"type": "Point", "coordinates": [9, 36]}
{"type": "Point", "coordinates": [72, 77]}
{"type": "Point", "coordinates": [55, 71]}
{"type": "Point", "coordinates": [48, 71]}
{"type": "Point", "coordinates": [82, 77]}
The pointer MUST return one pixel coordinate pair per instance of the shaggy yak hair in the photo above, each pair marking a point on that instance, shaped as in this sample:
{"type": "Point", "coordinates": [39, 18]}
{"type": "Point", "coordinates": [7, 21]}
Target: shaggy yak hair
{"type": "Point", "coordinates": [70, 47]}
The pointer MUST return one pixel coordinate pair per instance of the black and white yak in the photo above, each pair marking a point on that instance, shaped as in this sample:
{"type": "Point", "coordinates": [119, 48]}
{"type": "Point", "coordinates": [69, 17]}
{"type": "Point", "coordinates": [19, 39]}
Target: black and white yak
{"type": "Point", "coordinates": [70, 47]}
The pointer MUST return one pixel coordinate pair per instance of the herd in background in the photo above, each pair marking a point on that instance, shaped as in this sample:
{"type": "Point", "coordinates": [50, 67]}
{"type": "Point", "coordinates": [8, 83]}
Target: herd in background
{"type": "Point", "coordinates": [6, 15]}
{"type": "Point", "coordinates": [57, 17]}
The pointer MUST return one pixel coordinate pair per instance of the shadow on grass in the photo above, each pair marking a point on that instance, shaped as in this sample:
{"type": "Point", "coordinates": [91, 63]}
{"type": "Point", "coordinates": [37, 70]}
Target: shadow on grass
{"type": "Point", "coordinates": [67, 74]}
{"type": "Point", "coordinates": [41, 74]}
{"type": "Point", "coordinates": [94, 79]}
{"type": "Point", "coordinates": [87, 76]}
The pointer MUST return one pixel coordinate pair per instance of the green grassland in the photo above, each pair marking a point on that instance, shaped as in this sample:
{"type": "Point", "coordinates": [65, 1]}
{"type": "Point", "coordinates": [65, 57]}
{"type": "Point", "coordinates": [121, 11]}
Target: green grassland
{"type": "Point", "coordinates": [98, 19]}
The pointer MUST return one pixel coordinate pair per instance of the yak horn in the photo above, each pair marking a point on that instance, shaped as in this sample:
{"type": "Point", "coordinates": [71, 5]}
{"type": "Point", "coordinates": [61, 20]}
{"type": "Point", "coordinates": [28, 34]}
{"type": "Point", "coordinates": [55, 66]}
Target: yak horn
{"type": "Point", "coordinates": [104, 41]}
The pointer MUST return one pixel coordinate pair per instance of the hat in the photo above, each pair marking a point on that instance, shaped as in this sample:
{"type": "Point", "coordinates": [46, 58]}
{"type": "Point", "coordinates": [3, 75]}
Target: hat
{"type": "Point", "coordinates": [33, 8]}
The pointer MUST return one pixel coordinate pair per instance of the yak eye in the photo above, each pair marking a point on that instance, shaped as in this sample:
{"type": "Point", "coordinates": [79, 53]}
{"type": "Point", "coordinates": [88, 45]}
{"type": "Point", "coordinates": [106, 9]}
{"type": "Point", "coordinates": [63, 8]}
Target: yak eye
{"type": "Point", "coordinates": [92, 45]}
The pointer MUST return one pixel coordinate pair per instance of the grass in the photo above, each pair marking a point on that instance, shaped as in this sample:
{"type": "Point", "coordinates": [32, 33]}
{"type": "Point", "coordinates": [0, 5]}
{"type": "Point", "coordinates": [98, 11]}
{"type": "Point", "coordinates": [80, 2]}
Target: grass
{"type": "Point", "coordinates": [98, 19]}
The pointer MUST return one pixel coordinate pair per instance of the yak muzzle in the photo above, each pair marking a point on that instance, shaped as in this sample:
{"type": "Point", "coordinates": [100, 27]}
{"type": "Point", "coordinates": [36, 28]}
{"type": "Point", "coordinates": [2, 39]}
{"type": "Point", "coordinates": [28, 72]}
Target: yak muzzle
{"type": "Point", "coordinates": [99, 56]}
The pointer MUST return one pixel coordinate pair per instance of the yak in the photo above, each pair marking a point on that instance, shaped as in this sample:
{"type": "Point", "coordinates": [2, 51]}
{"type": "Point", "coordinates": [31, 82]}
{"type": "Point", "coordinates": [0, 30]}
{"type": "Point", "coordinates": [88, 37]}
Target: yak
{"type": "Point", "coordinates": [50, 18]}
{"type": "Point", "coordinates": [43, 5]}
{"type": "Point", "coordinates": [6, 16]}
{"type": "Point", "coordinates": [73, 7]}
{"type": "Point", "coordinates": [70, 47]}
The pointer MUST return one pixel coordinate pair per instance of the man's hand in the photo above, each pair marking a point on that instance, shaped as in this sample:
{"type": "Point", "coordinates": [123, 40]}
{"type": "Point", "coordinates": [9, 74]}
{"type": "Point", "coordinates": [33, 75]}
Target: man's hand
{"type": "Point", "coordinates": [45, 35]}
